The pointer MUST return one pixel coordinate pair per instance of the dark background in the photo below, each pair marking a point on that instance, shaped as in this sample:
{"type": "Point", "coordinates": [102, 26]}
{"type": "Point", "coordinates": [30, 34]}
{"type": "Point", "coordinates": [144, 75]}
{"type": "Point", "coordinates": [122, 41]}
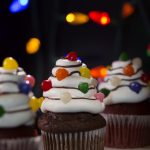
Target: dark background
{"type": "Point", "coordinates": [94, 44]}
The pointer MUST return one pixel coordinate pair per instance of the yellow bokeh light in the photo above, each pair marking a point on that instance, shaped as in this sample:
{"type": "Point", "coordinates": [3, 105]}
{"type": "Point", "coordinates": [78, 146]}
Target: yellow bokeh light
{"type": "Point", "coordinates": [77, 18]}
{"type": "Point", "coordinates": [70, 17]}
{"type": "Point", "coordinates": [33, 45]}
{"type": "Point", "coordinates": [103, 20]}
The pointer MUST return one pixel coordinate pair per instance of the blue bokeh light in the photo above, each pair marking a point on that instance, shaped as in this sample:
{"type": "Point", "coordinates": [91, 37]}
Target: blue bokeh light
{"type": "Point", "coordinates": [23, 2]}
{"type": "Point", "coordinates": [18, 6]}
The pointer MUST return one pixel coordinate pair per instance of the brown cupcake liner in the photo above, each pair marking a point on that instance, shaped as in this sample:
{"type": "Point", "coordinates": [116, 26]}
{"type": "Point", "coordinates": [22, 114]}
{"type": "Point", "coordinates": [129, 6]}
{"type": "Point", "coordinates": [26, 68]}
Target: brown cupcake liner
{"type": "Point", "coordinates": [127, 131]}
{"type": "Point", "coordinates": [20, 144]}
{"type": "Point", "coordinates": [86, 140]}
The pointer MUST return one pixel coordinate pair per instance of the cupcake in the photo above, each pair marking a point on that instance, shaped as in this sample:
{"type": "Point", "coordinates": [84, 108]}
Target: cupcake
{"type": "Point", "coordinates": [71, 108]}
{"type": "Point", "coordinates": [127, 102]}
{"type": "Point", "coordinates": [16, 117]}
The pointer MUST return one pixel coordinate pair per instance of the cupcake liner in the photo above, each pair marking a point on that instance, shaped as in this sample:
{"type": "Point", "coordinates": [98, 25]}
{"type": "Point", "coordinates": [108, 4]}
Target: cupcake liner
{"type": "Point", "coordinates": [127, 131]}
{"type": "Point", "coordinates": [20, 144]}
{"type": "Point", "coordinates": [86, 140]}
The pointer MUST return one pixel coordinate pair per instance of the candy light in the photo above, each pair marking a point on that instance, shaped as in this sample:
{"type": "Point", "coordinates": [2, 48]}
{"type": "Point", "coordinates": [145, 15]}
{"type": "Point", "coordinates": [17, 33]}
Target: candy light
{"type": "Point", "coordinates": [135, 86]}
{"type": "Point", "coordinates": [99, 96]}
{"type": "Point", "coordinates": [145, 78]}
{"type": "Point", "coordinates": [105, 91]}
{"type": "Point", "coordinates": [65, 97]}
{"type": "Point", "coordinates": [83, 87]}
{"type": "Point", "coordinates": [33, 45]}
{"type": "Point", "coordinates": [61, 74]}
{"type": "Point", "coordinates": [33, 103]}
{"type": "Point", "coordinates": [40, 100]}
{"type": "Point", "coordinates": [123, 56]}
{"type": "Point", "coordinates": [72, 56]}
{"type": "Point", "coordinates": [128, 70]}
{"type": "Point", "coordinates": [77, 18]}
{"type": "Point", "coordinates": [46, 85]}
{"type": "Point", "coordinates": [30, 79]}
{"type": "Point", "coordinates": [10, 63]}
{"type": "Point", "coordinates": [137, 61]}
{"type": "Point", "coordinates": [2, 111]}
{"type": "Point", "coordinates": [85, 72]}
{"type": "Point", "coordinates": [25, 87]}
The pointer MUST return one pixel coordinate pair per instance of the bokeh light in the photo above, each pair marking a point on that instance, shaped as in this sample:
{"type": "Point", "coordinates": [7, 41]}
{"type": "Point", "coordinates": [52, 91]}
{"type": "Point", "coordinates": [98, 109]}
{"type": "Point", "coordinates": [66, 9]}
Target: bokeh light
{"type": "Point", "coordinates": [77, 18]}
{"type": "Point", "coordinates": [33, 45]}
{"type": "Point", "coordinates": [127, 10]}
{"type": "Point", "coordinates": [99, 72]}
{"type": "Point", "coordinates": [18, 6]}
{"type": "Point", "coordinates": [101, 18]}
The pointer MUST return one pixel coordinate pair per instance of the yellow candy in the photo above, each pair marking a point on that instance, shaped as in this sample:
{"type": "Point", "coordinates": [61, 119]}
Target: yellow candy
{"type": "Point", "coordinates": [85, 72]}
{"type": "Point", "coordinates": [33, 103]}
{"type": "Point", "coordinates": [10, 63]}
{"type": "Point", "coordinates": [40, 100]}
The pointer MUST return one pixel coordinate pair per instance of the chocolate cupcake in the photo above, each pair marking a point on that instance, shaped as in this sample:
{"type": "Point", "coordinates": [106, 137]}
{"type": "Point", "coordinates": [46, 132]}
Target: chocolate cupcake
{"type": "Point", "coordinates": [127, 102]}
{"type": "Point", "coordinates": [70, 118]}
{"type": "Point", "coordinates": [16, 117]}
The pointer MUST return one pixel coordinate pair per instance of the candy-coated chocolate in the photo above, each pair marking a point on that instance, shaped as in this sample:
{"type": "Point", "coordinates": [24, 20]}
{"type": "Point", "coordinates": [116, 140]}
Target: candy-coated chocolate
{"type": "Point", "coordinates": [72, 56]}
{"type": "Point", "coordinates": [10, 63]}
{"type": "Point", "coordinates": [83, 87]}
{"type": "Point", "coordinates": [46, 85]}
{"type": "Point", "coordinates": [85, 72]}
{"type": "Point", "coordinates": [61, 74]}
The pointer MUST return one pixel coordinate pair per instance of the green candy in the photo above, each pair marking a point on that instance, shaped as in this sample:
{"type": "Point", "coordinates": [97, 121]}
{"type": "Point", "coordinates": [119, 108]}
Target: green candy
{"type": "Point", "coordinates": [105, 91]}
{"type": "Point", "coordinates": [124, 56]}
{"type": "Point", "coordinates": [2, 111]}
{"type": "Point", "coordinates": [83, 87]}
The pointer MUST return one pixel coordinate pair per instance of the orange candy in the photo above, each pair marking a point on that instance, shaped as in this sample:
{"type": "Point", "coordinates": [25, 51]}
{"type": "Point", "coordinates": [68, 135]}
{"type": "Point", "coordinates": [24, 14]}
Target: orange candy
{"type": "Point", "coordinates": [61, 73]}
{"type": "Point", "coordinates": [128, 70]}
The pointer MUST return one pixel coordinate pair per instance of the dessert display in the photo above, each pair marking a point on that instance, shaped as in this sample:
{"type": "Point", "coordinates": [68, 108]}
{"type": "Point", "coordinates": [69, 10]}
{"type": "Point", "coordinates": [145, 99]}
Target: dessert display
{"type": "Point", "coordinates": [127, 99]}
{"type": "Point", "coordinates": [71, 108]}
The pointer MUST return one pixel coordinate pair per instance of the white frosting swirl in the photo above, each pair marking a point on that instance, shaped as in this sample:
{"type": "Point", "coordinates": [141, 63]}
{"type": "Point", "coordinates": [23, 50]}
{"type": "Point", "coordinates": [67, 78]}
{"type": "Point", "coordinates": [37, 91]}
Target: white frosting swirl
{"type": "Point", "coordinates": [14, 103]}
{"type": "Point", "coordinates": [122, 93]}
{"type": "Point", "coordinates": [79, 102]}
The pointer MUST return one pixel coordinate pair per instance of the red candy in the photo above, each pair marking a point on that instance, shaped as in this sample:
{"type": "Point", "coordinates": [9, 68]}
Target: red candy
{"type": "Point", "coordinates": [46, 85]}
{"type": "Point", "coordinates": [145, 78]}
{"type": "Point", "coordinates": [72, 56]}
{"type": "Point", "coordinates": [30, 79]}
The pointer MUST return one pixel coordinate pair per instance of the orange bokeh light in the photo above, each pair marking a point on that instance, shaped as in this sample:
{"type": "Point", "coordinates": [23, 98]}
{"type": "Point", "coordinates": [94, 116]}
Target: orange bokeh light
{"type": "Point", "coordinates": [103, 72]}
{"type": "Point", "coordinates": [127, 10]}
{"type": "Point", "coordinates": [99, 72]}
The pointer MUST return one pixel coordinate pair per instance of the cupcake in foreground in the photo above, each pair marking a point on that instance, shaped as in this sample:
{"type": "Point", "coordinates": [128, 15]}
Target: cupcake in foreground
{"type": "Point", "coordinates": [71, 108]}
{"type": "Point", "coordinates": [127, 102]}
{"type": "Point", "coordinates": [16, 117]}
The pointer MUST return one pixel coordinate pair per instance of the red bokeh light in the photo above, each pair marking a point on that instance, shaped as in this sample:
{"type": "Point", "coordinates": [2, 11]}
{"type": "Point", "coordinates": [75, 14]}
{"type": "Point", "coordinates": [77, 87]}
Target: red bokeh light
{"type": "Point", "coordinates": [101, 18]}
